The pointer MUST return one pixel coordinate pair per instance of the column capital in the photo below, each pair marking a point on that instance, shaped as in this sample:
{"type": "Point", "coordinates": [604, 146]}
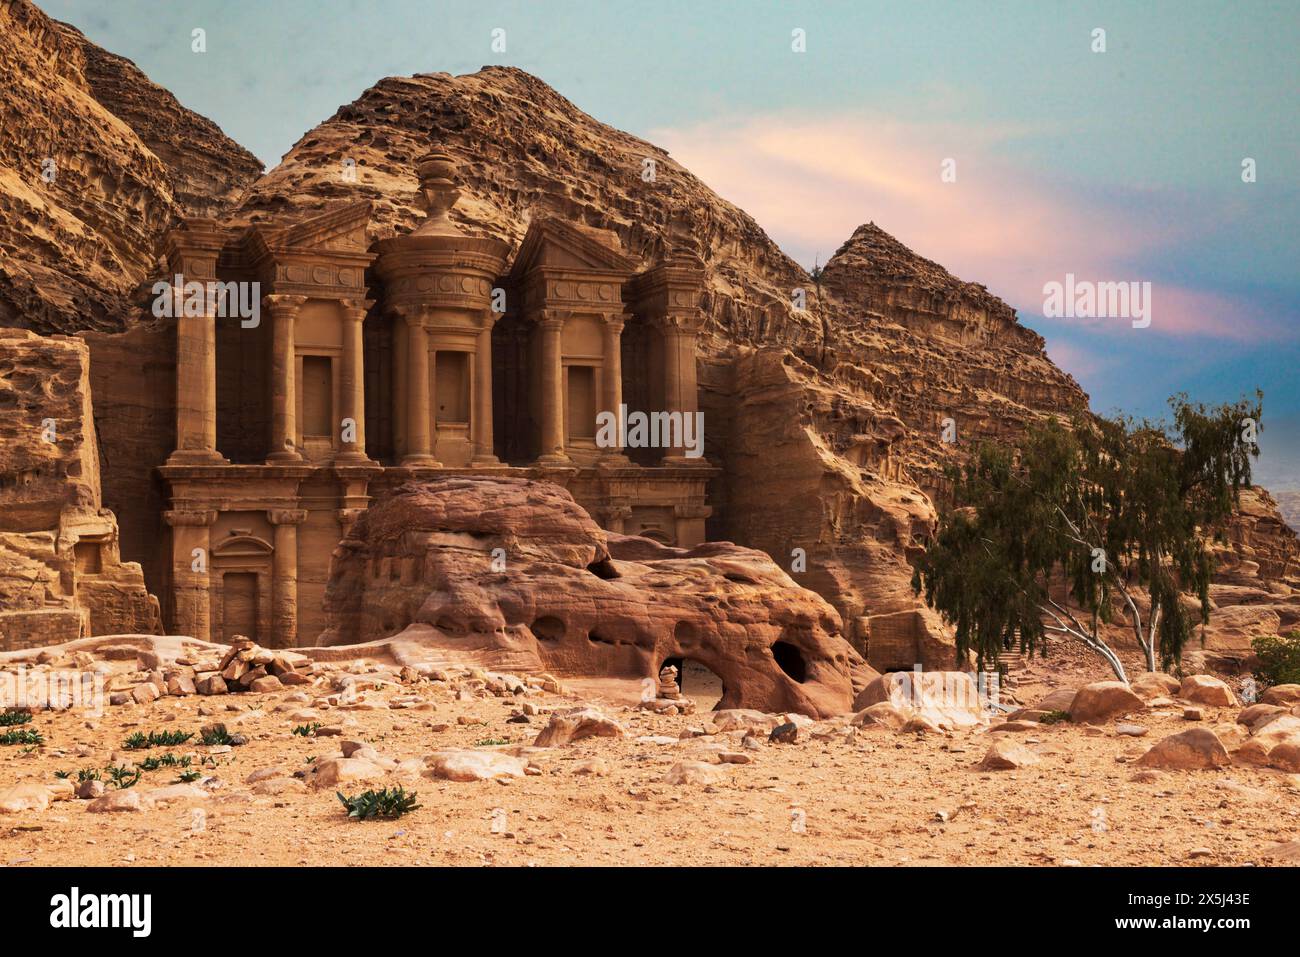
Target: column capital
{"type": "Point", "coordinates": [614, 321]}
{"type": "Point", "coordinates": [282, 301]}
{"type": "Point", "coordinates": [553, 319]}
{"type": "Point", "coordinates": [193, 517]}
{"type": "Point", "coordinates": [356, 309]}
{"type": "Point", "coordinates": [679, 323]}
{"type": "Point", "coordinates": [286, 516]}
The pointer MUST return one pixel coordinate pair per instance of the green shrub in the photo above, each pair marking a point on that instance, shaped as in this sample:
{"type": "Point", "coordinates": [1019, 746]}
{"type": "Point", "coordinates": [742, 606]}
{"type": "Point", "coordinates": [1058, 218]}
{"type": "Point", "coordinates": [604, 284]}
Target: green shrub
{"type": "Point", "coordinates": [123, 777]}
{"type": "Point", "coordinates": [386, 803]}
{"type": "Point", "coordinates": [22, 736]}
{"type": "Point", "coordinates": [156, 739]}
{"type": "Point", "coordinates": [1279, 659]}
{"type": "Point", "coordinates": [11, 717]}
{"type": "Point", "coordinates": [307, 730]}
{"type": "Point", "coordinates": [215, 734]}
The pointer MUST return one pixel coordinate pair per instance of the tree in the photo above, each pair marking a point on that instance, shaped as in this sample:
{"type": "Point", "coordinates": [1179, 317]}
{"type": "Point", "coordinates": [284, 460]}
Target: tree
{"type": "Point", "coordinates": [1115, 506]}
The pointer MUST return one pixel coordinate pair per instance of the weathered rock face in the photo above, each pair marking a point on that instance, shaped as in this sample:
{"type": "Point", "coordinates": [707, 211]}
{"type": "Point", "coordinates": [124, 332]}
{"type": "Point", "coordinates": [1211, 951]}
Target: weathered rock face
{"type": "Point", "coordinates": [519, 567]}
{"type": "Point", "coordinates": [84, 196]}
{"type": "Point", "coordinates": [60, 574]}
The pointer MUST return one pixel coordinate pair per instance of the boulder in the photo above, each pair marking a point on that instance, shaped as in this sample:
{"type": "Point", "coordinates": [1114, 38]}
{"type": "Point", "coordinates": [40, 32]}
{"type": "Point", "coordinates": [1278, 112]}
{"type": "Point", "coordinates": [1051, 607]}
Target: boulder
{"type": "Point", "coordinates": [948, 700]}
{"type": "Point", "coordinates": [882, 714]}
{"type": "Point", "coordinates": [1007, 754]}
{"type": "Point", "coordinates": [576, 724]}
{"type": "Point", "coordinates": [1062, 699]}
{"type": "Point", "coordinates": [1284, 695]}
{"type": "Point", "coordinates": [113, 802]}
{"type": "Point", "coordinates": [26, 796]}
{"type": "Point", "coordinates": [1101, 701]}
{"type": "Point", "coordinates": [1155, 684]}
{"type": "Point", "coordinates": [1260, 714]}
{"type": "Point", "coordinates": [464, 764]}
{"type": "Point", "coordinates": [1207, 689]}
{"type": "Point", "coordinates": [1281, 732]}
{"type": "Point", "coordinates": [332, 772]}
{"type": "Point", "coordinates": [693, 772]}
{"type": "Point", "coordinates": [1188, 750]}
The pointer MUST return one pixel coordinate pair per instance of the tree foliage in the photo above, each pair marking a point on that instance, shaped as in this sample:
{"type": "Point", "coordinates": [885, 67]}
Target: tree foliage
{"type": "Point", "coordinates": [1113, 507]}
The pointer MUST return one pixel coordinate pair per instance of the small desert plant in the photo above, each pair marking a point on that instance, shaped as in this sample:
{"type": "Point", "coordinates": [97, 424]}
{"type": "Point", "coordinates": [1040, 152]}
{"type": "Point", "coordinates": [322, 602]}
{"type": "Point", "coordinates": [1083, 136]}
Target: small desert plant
{"type": "Point", "coordinates": [22, 736]}
{"type": "Point", "coordinates": [307, 730]}
{"type": "Point", "coordinates": [87, 774]}
{"type": "Point", "coordinates": [63, 775]}
{"type": "Point", "coordinates": [11, 717]}
{"type": "Point", "coordinates": [123, 777]}
{"type": "Point", "coordinates": [167, 760]}
{"type": "Point", "coordinates": [215, 734]}
{"type": "Point", "coordinates": [1054, 717]}
{"type": "Point", "coordinates": [187, 776]}
{"type": "Point", "coordinates": [156, 739]}
{"type": "Point", "coordinates": [389, 803]}
{"type": "Point", "coordinates": [1279, 659]}
{"type": "Point", "coordinates": [491, 742]}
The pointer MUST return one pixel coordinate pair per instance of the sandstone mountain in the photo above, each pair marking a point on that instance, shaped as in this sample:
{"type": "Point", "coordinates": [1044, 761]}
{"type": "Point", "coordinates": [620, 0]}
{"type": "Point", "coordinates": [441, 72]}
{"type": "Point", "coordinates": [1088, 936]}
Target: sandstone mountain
{"type": "Point", "coordinates": [828, 421]}
{"type": "Point", "coordinates": [96, 162]}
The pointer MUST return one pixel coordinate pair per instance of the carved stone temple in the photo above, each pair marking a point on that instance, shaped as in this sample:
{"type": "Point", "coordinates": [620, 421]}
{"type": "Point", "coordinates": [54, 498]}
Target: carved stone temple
{"type": "Point", "coordinates": [424, 355]}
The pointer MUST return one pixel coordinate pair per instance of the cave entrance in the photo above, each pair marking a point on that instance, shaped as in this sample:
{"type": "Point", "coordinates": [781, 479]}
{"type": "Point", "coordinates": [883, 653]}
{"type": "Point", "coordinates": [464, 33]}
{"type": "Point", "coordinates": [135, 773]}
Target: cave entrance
{"type": "Point", "coordinates": [790, 660]}
{"type": "Point", "coordinates": [698, 682]}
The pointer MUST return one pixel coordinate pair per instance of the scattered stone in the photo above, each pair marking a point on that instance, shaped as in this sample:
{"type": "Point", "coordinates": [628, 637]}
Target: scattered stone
{"type": "Point", "coordinates": [693, 772]}
{"type": "Point", "coordinates": [1207, 689]}
{"type": "Point", "coordinates": [1282, 695]}
{"type": "Point", "coordinates": [1100, 701]}
{"type": "Point", "coordinates": [574, 725]}
{"type": "Point", "coordinates": [90, 789]}
{"type": "Point", "coordinates": [26, 796]}
{"type": "Point", "coordinates": [115, 801]}
{"type": "Point", "coordinates": [1131, 730]}
{"type": "Point", "coordinates": [463, 764]}
{"type": "Point", "coordinates": [1007, 754]}
{"type": "Point", "coordinates": [1192, 749]}
{"type": "Point", "coordinates": [784, 734]}
{"type": "Point", "coordinates": [1193, 714]}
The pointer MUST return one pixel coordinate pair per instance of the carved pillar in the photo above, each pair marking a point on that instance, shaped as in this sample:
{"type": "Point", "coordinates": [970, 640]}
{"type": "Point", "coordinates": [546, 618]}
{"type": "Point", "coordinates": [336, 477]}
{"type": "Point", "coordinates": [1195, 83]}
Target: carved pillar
{"type": "Point", "coordinates": [481, 416]}
{"type": "Point", "coordinates": [689, 524]}
{"type": "Point", "coordinates": [552, 392]}
{"type": "Point", "coordinates": [191, 562]}
{"type": "Point", "coordinates": [284, 576]}
{"type": "Point", "coordinates": [284, 376]}
{"type": "Point", "coordinates": [615, 518]}
{"type": "Point", "coordinates": [196, 386]}
{"type": "Point", "coordinates": [419, 447]}
{"type": "Point", "coordinates": [352, 381]}
{"type": "Point", "coordinates": [681, 392]}
{"type": "Point", "coordinates": [400, 367]}
{"type": "Point", "coordinates": [613, 382]}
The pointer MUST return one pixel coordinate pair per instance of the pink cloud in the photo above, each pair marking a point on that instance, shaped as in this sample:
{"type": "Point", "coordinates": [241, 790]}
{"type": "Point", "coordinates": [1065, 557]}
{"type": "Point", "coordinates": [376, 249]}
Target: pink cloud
{"type": "Point", "coordinates": [810, 181]}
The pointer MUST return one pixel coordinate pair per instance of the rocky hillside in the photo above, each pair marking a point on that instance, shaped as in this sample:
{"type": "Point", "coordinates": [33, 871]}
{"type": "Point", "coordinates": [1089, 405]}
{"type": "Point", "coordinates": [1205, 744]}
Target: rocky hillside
{"type": "Point", "coordinates": [95, 163]}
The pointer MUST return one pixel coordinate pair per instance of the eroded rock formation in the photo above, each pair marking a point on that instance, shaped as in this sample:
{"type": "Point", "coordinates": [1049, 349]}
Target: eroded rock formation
{"type": "Point", "coordinates": [518, 567]}
{"type": "Point", "coordinates": [95, 163]}
{"type": "Point", "coordinates": [60, 573]}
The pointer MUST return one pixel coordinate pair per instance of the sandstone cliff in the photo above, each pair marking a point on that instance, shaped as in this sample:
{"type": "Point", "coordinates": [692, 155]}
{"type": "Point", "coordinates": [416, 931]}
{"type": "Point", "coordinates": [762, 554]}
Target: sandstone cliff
{"type": "Point", "coordinates": [95, 163]}
{"type": "Point", "coordinates": [60, 572]}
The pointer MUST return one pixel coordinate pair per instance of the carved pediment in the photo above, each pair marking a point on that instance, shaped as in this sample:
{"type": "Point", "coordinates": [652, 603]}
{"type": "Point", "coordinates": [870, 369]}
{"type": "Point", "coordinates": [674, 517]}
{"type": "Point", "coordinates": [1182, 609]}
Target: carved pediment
{"type": "Point", "coordinates": [556, 244]}
{"type": "Point", "coordinates": [343, 229]}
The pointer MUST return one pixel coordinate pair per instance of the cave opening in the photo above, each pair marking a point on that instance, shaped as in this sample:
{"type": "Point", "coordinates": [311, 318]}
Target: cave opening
{"type": "Point", "coordinates": [790, 660]}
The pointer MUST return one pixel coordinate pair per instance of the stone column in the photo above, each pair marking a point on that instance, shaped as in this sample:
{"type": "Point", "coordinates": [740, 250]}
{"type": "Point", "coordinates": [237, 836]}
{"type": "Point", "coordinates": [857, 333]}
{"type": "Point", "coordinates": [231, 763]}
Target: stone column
{"type": "Point", "coordinates": [613, 386]}
{"type": "Point", "coordinates": [419, 447]}
{"type": "Point", "coordinates": [284, 379]}
{"type": "Point", "coordinates": [615, 518]}
{"type": "Point", "coordinates": [352, 381]}
{"type": "Point", "coordinates": [400, 367]}
{"type": "Point", "coordinates": [284, 576]}
{"type": "Point", "coordinates": [688, 521]}
{"type": "Point", "coordinates": [680, 388]}
{"type": "Point", "coordinates": [196, 386]}
{"type": "Point", "coordinates": [481, 416]}
{"type": "Point", "coordinates": [552, 393]}
{"type": "Point", "coordinates": [191, 563]}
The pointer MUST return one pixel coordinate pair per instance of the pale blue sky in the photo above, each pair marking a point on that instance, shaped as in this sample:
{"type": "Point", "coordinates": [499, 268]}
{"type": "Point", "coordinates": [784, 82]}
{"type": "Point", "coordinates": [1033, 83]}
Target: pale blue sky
{"type": "Point", "coordinates": [1115, 166]}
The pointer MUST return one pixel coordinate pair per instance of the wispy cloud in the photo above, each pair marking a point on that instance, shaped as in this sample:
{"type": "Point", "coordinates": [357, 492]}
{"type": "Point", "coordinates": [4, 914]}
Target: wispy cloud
{"type": "Point", "coordinates": [1010, 223]}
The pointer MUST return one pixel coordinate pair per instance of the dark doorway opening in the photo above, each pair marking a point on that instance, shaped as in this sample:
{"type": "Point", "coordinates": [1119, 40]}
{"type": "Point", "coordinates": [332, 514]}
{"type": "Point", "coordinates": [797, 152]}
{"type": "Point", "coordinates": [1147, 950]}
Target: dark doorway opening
{"type": "Point", "coordinates": [790, 660]}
